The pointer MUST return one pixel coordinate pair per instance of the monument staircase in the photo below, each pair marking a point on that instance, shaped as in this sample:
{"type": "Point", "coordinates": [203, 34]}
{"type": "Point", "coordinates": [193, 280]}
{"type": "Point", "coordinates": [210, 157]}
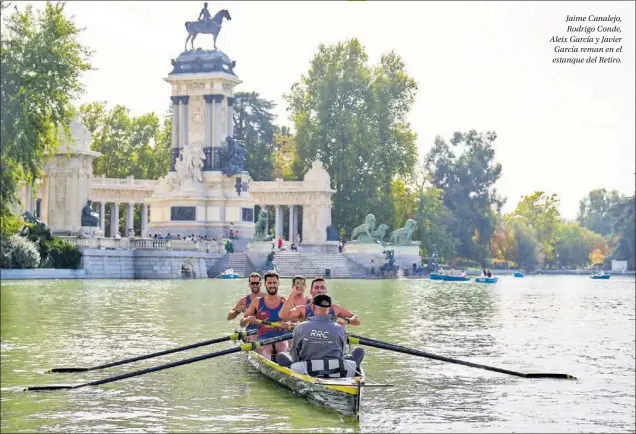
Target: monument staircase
{"type": "Point", "coordinates": [314, 264]}
{"type": "Point", "coordinates": [236, 261]}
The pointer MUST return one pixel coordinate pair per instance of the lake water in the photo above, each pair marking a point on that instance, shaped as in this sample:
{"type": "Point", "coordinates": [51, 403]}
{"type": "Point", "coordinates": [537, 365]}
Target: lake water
{"type": "Point", "coordinates": [562, 324]}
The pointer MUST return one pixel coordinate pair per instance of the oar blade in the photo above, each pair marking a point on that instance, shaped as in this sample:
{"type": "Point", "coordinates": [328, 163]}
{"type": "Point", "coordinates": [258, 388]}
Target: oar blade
{"type": "Point", "coordinates": [66, 370]}
{"type": "Point", "coordinates": [48, 388]}
{"type": "Point", "coordinates": [555, 376]}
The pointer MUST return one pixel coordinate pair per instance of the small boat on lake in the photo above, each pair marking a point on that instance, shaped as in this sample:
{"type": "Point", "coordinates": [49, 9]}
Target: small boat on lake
{"type": "Point", "coordinates": [519, 274]}
{"type": "Point", "coordinates": [486, 279]}
{"type": "Point", "coordinates": [451, 278]}
{"type": "Point", "coordinates": [600, 276]}
{"type": "Point", "coordinates": [229, 274]}
{"type": "Point", "coordinates": [435, 276]}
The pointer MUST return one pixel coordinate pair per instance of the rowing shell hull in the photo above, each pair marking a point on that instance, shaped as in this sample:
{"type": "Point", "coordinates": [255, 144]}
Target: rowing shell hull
{"type": "Point", "coordinates": [486, 279]}
{"type": "Point", "coordinates": [342, 395]}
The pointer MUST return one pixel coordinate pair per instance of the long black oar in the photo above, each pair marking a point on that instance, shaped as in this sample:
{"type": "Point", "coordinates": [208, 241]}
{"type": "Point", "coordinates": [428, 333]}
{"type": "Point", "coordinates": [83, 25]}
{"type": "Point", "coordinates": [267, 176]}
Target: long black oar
{"type": "Point", "coordinates": [355, 339]}
{"type": "Point", "coordinates": [232, 337]}
{"type": "Point", "coordinates": [244, 347]}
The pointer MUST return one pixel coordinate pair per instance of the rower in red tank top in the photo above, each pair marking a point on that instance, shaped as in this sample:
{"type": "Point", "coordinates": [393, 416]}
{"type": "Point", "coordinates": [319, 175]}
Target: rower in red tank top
{"type": "Point", "coordinates": [268, 308]}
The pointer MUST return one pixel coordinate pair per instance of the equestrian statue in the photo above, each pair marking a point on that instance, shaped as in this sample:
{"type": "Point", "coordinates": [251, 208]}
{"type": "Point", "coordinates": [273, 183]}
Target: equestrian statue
{"type": "Point", "coordinates": [205, 25]}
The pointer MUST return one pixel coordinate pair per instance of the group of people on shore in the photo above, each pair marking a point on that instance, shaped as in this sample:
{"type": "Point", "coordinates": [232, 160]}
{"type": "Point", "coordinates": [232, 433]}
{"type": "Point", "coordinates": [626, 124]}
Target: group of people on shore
{"type": "Point", "coordinates": [317, 323]}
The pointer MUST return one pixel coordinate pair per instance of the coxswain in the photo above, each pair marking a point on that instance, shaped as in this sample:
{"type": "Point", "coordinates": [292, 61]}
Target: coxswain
{"type": "Point", "coordinates": [306, 311]}
{"type": "Point", "coordinates": [267, 308]}
{"type": "Point", "coordinates": [318, 346]}
{"type": "Point", "coordinates": [254, 282]}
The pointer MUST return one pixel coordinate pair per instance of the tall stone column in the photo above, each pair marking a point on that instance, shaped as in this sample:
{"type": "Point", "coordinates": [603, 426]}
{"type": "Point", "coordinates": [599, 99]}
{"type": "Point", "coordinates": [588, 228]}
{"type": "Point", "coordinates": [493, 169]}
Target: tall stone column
{"type": "Point", "coordinates": [34, 199]}
{"type": "Point", "coordinates": [208, 128]}
{"type": "Point", "coordinates": [278, 223]}
{"type": "Point", "coordinates": [144, 219]}
{"type": "Point", "coordinates": [230, 117]}
{"type": "Point", "coordinates": [216, 131]}
{"type": "Point", "coordinates": [130, 217]}
{"type": "Point", "coordinates": [183, 122]}
{"type": "Point", "coordinates": [296, 223]}
{"type": "Point", "coordinates": [44, 206]}
{"type": "Point", "coordinates": [114, 219]}
{"type": "Point", "coordinates": [174, 153]}
{"type": "Point", "coordinates": [102, 216]}
{"type": "Point", "coordinates": [291, 224]}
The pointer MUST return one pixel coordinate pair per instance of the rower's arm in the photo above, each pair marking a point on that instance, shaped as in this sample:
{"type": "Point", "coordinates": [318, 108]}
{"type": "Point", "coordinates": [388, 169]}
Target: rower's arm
{"type": "Point", "coordinates": [287, 306]}
{"type": "Point", "coordinates": [251, 311]}
{"type": "Point", "coordinates": [237, 309]}
{"type": "Point", "coordinates": [341, 312]}
{"type": "Point", "coordinates": [295, 314]}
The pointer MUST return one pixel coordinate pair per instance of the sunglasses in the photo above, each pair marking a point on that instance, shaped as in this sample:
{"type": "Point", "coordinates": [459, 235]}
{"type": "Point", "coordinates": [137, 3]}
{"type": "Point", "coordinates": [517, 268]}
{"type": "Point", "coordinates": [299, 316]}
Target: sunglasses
{"type": "Point", "coordinates": [254, 283]}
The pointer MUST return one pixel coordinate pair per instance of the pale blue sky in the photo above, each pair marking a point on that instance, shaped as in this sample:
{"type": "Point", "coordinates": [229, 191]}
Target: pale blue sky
{"type": "Point", "coordinates": [481, 65]}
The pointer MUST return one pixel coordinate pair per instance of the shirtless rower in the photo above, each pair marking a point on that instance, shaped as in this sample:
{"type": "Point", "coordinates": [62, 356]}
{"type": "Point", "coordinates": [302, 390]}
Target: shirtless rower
{"type": "Point", "coordinates": [302, 312]}
{"type": "Point", "coordinates": [267, 308]}
{"type": "Point", "coordinates": [254, 282]}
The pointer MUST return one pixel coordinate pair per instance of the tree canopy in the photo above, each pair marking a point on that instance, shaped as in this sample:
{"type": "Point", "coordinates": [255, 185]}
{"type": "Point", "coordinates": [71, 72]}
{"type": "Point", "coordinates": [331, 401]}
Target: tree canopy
{"type": "Point", "coordinates": [41, 62]}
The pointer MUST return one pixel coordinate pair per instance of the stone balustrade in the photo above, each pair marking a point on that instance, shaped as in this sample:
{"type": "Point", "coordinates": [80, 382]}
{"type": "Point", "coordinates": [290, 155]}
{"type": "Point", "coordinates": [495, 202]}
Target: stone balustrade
{"type": "Point", "coordinates": [143, 244]}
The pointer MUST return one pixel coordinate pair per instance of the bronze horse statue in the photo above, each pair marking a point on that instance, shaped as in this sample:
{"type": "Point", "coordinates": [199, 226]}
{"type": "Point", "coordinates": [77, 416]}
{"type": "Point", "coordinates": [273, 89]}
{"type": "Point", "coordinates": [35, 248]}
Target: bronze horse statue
{"type": "Point", "coordinates": [212, 26]}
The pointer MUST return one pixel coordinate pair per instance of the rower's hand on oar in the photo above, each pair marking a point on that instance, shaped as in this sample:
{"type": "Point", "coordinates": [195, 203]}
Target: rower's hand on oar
{"type": "Point", "coordinates": [341, 321]}
{"type": "Point", "coordinates": [287, 325]}
{"type": "Point", "coordinates": [251, 319]}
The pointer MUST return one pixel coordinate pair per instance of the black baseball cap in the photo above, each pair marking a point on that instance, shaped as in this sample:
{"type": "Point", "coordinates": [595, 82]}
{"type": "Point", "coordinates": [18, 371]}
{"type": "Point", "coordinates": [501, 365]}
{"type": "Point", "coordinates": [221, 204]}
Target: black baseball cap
{"type": "Point", "coordinates": [322, 300]}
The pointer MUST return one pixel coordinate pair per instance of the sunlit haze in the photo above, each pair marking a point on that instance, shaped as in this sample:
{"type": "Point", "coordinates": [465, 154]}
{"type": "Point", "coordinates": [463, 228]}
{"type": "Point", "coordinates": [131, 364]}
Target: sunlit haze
{"type": "Point", "coordinates": [562, 128]}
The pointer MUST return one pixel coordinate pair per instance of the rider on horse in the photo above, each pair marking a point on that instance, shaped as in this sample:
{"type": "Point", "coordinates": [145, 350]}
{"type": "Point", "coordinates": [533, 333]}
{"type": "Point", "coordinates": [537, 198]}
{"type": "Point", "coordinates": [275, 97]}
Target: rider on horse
{"type": "Point", "coordinates": [207, 18]}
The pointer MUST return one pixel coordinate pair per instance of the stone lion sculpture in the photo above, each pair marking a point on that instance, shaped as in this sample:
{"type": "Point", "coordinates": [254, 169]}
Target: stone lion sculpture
{"type": "Point", "coordinates": [363, 233]}
{"type": "Point", "coordinates": [380, 232]}
{"type": "Point", "coordinates": [402, 237]}
{"type": "Point", "coordinates": [261, 227]}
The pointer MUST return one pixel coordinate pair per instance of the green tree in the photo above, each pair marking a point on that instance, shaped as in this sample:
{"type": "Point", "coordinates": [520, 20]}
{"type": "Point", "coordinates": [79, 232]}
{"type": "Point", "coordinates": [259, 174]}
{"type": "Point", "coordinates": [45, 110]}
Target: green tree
{"type": "Point", "coordinates": [253, 124]}
{"type": "Point", "coordinates": [352, 116]}
{"type": "Point", "coordinates": [130, 146]}
{"type": "Point", "coordinates": [284, 154]}
{"type": "Point", "coordinates": [433, 224]}
{"type": "Point", "coordinates": [523, 248]}
{"type": "Point", "coordinates": [466, 171]}
{"type": "Point", "coordinates": [41, 61]}
{"type": "Point", "coordinates": [137, 146]}
{"type": "Point", "coordinates": [594, 210]}
{"type": "Point", "coordinates": [623, 237]}
{"type": "Point", "coordinates": [576, 245]}
{"type": "Point", "coordinates": [541, 211]}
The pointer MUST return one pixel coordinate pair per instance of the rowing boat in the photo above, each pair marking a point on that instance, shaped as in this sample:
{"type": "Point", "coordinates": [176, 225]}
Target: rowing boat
{"type": "Point", "coordinates": [486, 279]}
{"type": "Point", "coordinates": [600, 276]}
{"type": "Point", "coordinates": [342, 395]}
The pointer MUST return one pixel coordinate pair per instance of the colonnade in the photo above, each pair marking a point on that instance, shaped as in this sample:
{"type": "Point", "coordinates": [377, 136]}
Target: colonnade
{"type": "Point", "coordinates": [100, 207]}
{"type": "Point", "coordinates": [215, 135]}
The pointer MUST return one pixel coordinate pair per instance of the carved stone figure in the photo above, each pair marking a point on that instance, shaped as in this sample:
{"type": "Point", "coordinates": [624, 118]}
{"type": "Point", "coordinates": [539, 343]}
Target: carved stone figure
{"type": "Point", "coordinates": [363, 233]}
{"type": "Point", "coordinates": [389, 268]}
{"type": "Point", "coordinates": [236, 156]}
{"type": "Point", "coordinates": [402, 237]}
{"type": "Point", "coordinates": [206, 25]}
{"type": "Point", "coordinates": [380, 232]}
{"type": "Point", "coordinates": [89, 217]}
{"type": "Point", "coordinates": [261, 227]}
{"type": "Point", "coordinates": [190, 163]}
{"type": "Point", "coordinates": [269, 262]}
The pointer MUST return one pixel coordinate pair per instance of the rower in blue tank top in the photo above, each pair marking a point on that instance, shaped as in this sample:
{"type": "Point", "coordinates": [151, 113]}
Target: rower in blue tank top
{"type": "Point", "coordinates": [254, 281]}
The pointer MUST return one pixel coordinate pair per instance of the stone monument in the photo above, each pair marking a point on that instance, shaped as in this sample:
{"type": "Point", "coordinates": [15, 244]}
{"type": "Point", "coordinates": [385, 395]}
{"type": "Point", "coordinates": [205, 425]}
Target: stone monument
{"type": "Point", "coordinates": [67, 186]}
{"type": "Point", "coordinates": [206, 190]}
